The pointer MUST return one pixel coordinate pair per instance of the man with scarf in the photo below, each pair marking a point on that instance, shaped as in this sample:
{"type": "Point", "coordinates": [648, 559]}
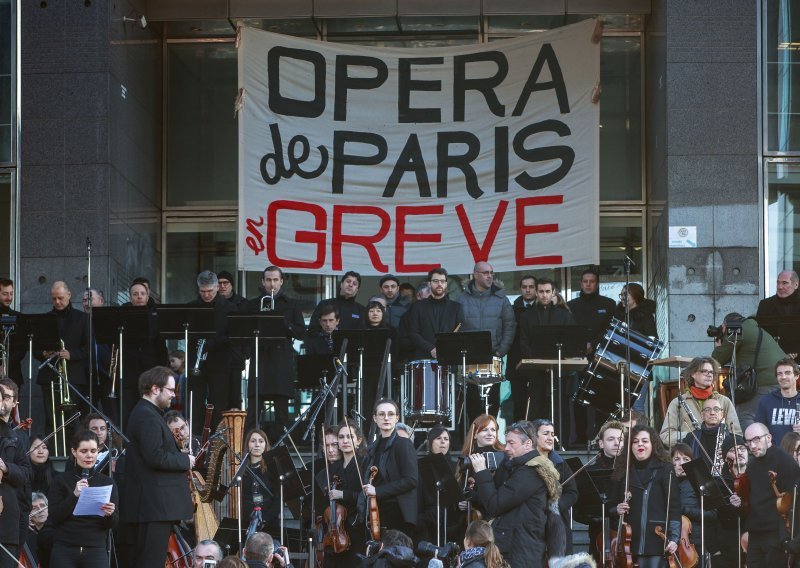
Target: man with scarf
{"type": "Point", "coordinates": [786, 301]}
{"type": "Point", "coordinates": [700, 377]}
{"type": "Point", "coordinates": [276, 372]}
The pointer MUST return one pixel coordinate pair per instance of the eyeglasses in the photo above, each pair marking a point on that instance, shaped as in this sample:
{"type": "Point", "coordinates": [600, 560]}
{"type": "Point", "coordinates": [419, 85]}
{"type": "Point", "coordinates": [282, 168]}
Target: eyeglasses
{"type": "Point", "coordinates": [755, 439]}
{"type": "Point", "coordinates": [706, 372]}
{"type": "Point", "coordinates": [168, 389]}
{"type": "Point", "coordinates": [437, 281]}
{"type": "Point", "coordinates": [712, 409]}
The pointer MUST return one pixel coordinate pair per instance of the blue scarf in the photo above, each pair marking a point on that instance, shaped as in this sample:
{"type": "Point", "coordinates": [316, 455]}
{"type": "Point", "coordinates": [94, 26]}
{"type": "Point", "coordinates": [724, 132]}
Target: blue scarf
{"type": "Point", "coordinates": [471, 553]}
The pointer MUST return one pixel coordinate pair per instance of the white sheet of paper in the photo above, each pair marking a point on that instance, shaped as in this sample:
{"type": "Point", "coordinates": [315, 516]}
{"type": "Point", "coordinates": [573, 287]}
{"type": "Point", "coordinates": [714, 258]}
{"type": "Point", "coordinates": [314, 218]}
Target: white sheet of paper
{"type": "Point", "coordinates": [90, 500]}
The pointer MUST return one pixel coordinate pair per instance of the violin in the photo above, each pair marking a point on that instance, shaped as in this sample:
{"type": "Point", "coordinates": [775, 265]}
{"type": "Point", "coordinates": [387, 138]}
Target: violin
{"type": "Point", "coordinates": [336, 537]}
{"type": "Point", "coordinates": [686, 555]}
{"type": "Point", "coordinates": [783, 501]}
{"type": "Point", "coordinates": [620, 552]}
{"type": "Point", "coordinates": [374, 514]}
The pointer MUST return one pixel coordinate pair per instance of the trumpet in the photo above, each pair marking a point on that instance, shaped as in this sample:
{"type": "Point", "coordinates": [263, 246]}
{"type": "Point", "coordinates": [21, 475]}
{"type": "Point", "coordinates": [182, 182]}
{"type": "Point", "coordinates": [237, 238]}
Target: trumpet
{"type": "Point", "coordinates": [201, 356]}
{"type": "Point", "coordinates": [112, 371]}
{"type": "Point", "coordinates": [271, 298]}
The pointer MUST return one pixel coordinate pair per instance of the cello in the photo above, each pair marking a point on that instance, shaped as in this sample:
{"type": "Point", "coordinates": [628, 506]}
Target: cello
{"type": "Point", "coordinates": [686, 555]}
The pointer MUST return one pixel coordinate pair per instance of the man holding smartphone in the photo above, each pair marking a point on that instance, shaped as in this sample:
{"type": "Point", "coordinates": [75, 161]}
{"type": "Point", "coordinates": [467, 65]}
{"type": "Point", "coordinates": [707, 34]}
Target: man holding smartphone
{"type": "Point", "coordinates": [260, 552]}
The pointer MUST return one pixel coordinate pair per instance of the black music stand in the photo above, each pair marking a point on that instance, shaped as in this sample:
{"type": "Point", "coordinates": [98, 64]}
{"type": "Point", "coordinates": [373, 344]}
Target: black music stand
{"type": "Point", "coordinates": [360, 343]}
{"type": "Point", "coordinates": [284, 475]}
{"type": "Point", "coordinates": [558, 342]}
{"type": "Point", "coordinates": [227, 535]}
{"type": "Point", "coordinates": [785, 330]}
{"type": "Point", "coordinates": [705, 486]}
{"type": "Point", "coordinates": [256, 326]}
{"type": "Point", "coordinates": [313, 373]}
{"type": "Point", "coordinates": [464, 348]}
{"type": "Point", "coordinates": [434, 471]}
{"type": "Point", "coordinates": [41, 332]}
{"type": "Point", "coordinates": [114, 325]}
{"type": "Point", "coordinates": [592, 488]}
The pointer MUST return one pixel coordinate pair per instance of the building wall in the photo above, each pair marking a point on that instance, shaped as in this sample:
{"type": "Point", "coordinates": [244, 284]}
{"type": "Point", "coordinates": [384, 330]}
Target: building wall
{"type": "Point", "coordinates": [711, 87]}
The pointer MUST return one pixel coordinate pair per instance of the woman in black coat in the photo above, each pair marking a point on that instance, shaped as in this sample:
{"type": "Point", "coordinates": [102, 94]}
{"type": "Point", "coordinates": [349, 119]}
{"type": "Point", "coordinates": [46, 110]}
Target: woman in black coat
{"type": "Point", "coordinates": [256, 486]}
{"type": "Point", "coordinates": [80, 541]}
{"type": "Point", "coordinates": [41, 465]}
{"type": "Point", "coordinates": [642, 311]}
{"type": "Point", "coordinates": [376, 320]}
{"type": "Point", "coordinates": [650, 482]}
{"type": "Point", "coordinates": [438, 443]}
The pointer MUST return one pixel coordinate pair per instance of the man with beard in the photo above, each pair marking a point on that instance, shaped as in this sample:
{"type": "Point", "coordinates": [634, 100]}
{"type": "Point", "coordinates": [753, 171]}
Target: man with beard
{"type": "Point", "coordinates": [276, 373]}
{"type": "Point", "coordinates": [396, 305]}
{"type": "Point", "coordinates": [73, 330]}
{"type": "Point", "coordinates": [435, 314]}
{"type": "Point", "coordinates": [352, 315]}
{"type": "Point", "coordinates": [17, 353]}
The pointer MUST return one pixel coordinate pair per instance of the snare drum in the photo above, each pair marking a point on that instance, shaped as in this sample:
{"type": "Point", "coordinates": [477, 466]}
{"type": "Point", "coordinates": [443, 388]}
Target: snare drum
{"type": "Point", "coordinates": [486, 374]}
{"type": "Point", "coordinates": [428, 392]}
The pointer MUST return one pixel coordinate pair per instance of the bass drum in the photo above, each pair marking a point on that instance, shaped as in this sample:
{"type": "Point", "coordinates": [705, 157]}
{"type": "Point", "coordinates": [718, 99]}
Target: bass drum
{"type": "Point", "coordinates": [428, 392]}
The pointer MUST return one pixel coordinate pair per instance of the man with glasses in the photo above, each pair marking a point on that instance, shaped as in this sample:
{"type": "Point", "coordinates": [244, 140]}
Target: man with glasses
{"type": "Point", "coordinates": [766, 527]}
{"type": "Point", "coordinates": [155, 495]}
{"type": "Point", "coordinates": [703, 440]}
{"type": "Point", "coordinates": [486, 308]}
{"type": "Point", "coordinates": [780, 409]}
{"type": "Point", "coordinates": [700, 376]}
{"type": "Point", "coordinates": [435, 314]}
{"type": "Point", "coordinates": [517, 497]}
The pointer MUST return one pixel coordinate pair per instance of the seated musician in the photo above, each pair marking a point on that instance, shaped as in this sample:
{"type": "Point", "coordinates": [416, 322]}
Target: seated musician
{"type": "Point", "coordinates": [180, 430]}
{"type": "Point", "coordinates": [110, 446]}
{"type": "Point", "coordinates": [482, 440]}
{"type": "Point", "coordinates": [395, 485]}
{"type": "Point", "coordinates": [347, 471]}
{"type": "Point", "coordinates": [257, 489]}
{"type": "Point", "coordinates": [38, 517]}
{"type": "Point", "coordinates": [700, 376]}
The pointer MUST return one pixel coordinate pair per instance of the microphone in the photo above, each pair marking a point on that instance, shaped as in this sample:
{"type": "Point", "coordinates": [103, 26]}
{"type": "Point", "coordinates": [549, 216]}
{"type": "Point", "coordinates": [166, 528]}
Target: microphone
{"type": "Point", "coordinates": [339, 367]}
{"type": "Point", "coordinates": [85, 473]}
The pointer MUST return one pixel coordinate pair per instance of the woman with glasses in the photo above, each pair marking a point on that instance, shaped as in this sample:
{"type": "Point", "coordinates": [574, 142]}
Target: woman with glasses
{"type": "Point", "coordinates": [483, 439]}
{"type": "Point", "coordinates": [395, 485]}
{"type": "Point", "coordinates": [646, 471]}
{"type": "Point", "coordinates": [545, 442]}
{"type": "Point", "coordinates": [700, 377]}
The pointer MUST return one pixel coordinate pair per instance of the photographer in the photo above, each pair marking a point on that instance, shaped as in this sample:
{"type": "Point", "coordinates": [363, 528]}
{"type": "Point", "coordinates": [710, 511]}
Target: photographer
{"type": "Point", "coordinates": [206, 551]}
{"type": "Point", "coordinates": [755, 348]}
{"type": "Point", "coordinates": [396, 551]}
{"type": "Point", "coordinates": [260, 552]}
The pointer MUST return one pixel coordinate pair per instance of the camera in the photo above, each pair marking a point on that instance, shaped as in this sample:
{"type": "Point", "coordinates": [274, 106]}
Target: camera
{"type": "Point", "coordinates": [449, 550]}
{"type": "Point", "coordinates": [733, 328]}
{"type": "Point", "coordinates": [209, 563]}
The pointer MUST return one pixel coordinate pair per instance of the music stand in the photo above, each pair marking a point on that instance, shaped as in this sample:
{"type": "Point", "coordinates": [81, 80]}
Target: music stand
{"type": "Point", "coordinates": [112, 325]}
{"type": "Point", "coordinates": [43, 329]}
{"type": "Point", "coordinates": [281, 466]}
{"type": "Point", "coordinates": [256, 326]}
{"type": "Point", "coordinates": [707, 490]}
{"type": "Point", "coordinates": [434, 470]}
{"type": "Point", "coordinates": [558, 342]}
{"type": "Point", "coordinates": [227, 535]}
{"type": "Point", "coordinates": [462, 348]}
{"type": "Point", "coordinates": [360, 342]}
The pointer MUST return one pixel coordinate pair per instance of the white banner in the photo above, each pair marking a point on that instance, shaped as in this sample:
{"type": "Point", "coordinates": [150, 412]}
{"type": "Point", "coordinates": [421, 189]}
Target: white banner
{"type": "Point", "coordinates": [401, 160]}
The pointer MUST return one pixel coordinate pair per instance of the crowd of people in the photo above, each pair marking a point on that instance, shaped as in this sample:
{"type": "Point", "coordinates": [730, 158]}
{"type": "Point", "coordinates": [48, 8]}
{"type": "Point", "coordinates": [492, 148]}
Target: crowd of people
{"type": "Point", "coordinates": [724, 454]}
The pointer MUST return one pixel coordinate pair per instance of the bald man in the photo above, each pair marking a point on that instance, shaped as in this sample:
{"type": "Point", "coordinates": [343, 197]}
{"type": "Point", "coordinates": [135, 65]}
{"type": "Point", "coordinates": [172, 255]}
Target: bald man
{"type": "Point", "coordinates": [786, 301]}
{"type": "Point", "coordinates": [766, 527]}
{"type": "Point", "coordinates": [73, 330]}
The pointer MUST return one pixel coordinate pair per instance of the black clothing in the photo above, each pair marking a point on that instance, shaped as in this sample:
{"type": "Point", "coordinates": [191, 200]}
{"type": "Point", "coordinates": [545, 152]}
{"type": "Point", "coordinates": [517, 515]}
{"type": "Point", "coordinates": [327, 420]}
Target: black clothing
{"type": "Point", "coordinates": [42, 476]}
{"type": "Point", "coordinates": [352, 315]}
{"type": "Point", "coordinates": [14, 481]}
{"type": "Point", "coordinates": [351, 489]}
{"type": "Point", "coordinates": [705, 437]}
{"type": "Point", "coordinates": [690, 507]}
{"type": "Point", "coordinates": [643, 318]}
{"type": "Point", "coordinates": [538, 316]}
{"type": "Point", "coordinates": [426, 521]}
{"type": "Point", "coordinates": [74, 331]}
{"type": "Point", "coordinates": [398, 475]}
{"type": "Point", "coordinates": [594, 311]}
{"type": "Point", "coordinates": [775, 307]}
{"type": "Point", "coordinates": [19, 348]}
{"type": "Point", "coordinates": [80, 556]}
{"type": "Point", "coordinates": [392, 557]}
{"type": "Point", "coordinates": [649, 485]}
{"type": "Point", "coordinates": [518, 506]}
{"type": "Point", "coordinates": [763, 513]}
{"type": "Point", "coordinates": [569, 493]}
{"type": "Point", "coordinates": [72, 531]}
{"type": "Point", "coordinates": [318, 343]}
{"type": "Point", "coordinates": [238, 301]}
{"type": "Point", "coordinates": [518, 379]}
{"type": "Point", "coordinates": [270, 506]}
{"type": "Point", "coordinates": [429, 317]}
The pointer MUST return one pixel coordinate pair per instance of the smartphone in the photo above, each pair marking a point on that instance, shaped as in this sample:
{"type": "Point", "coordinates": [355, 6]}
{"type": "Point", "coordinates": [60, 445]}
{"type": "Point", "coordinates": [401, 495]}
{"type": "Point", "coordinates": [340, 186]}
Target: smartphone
{"type": "Point", "coordinates": [491, 461]}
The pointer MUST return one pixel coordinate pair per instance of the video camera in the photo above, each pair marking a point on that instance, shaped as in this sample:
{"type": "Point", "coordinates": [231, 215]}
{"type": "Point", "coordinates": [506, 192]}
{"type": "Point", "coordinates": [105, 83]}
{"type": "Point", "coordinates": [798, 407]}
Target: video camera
{"type": "Point", "coordinates": [731, 328]}
{"type": "Point", "coordinates": [450, 550]}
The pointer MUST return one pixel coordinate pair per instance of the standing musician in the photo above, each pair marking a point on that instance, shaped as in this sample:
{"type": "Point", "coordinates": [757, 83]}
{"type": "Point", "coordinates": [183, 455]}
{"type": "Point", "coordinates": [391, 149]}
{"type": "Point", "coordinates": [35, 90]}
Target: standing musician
{"type": "Point", "coordinates": [139, 353]}
{"type": "Point", "coordinates": [398, 475]}
{"type": "Point", "coordinates": [764, 524]}
{"type": "Point", "coordinates": [609, 439]}
{"type": "Point", "coordinates": [100, 353]}
{"type": "Point", "coordinates": [704, 440]}
{"type": "Point", "coordinates": [482, 439]}
{"type": "Point", "coordinates": [17, 354]}
{"type": "Point", "coordinates": [81, 540]}
{"type": "Point", "coordinates": [109, 446]}
{"type": "Point", "coordinates": [451, 525]}
{"type": "Point", "coordinates": [519, 379]}
{"type": "Point", "coordinates": [701, 379]}
{"type": "Point", "coordinates": [730, 515]}
{"type": "Point", "coordinates": [350, 439]}
{"type": "Point", "coordinates": [254, 494]}
{"type": "Point", "coordinates": [15, 472]}
{"type": "Point", "coordinates": [544, 441]}
{"type": "Point", "coordinates": [435, 314]}
{"type": "Point", "coordinates": [155, 495]}
{"type": "Point", "coordinates": [219, 378]}
{"type": "Point", "coordinates": [74, 332]}
{"type": "Point", "coordinates": [654, 497]}
{"type": "Point", "coordinates": [276, 361]}
{"type": "Point", "coordinates": [680, 454]}
{"type": "Point", "coordinates": [319, 341]}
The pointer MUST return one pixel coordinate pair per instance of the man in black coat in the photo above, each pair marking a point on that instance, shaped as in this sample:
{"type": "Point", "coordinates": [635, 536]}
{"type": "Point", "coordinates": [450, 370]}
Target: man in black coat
{"type": "Point", "coordinates": [276, 373]}
{"type": "Point", "coordinates": [155, 495]}
{"type": "Point", "coordinates": [519, 379]}
{"type": "Point", "coordinates": [352, 315]}
{"type": "Point", "coordinates": [435, 314]}
{"type": "Point", "coordinates": [786, 301]}
{"type": "Point", "coordinates": [518, 503]}
{"type": "Point", "coordinates": [73, 329]}
{"type": "Point", "coordinates": [219, 381]}
{"type": "Point", "coordinates": [225, 280]}
{"type": "Point", "coordinates": [18, 348]}
{"type": "Point", "coordinates": [15, 477]}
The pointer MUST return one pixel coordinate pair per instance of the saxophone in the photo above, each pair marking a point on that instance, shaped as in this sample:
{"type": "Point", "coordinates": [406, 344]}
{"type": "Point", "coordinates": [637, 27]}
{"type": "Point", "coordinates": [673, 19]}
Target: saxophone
{"type": "Point", "coordinates": [716, 467]}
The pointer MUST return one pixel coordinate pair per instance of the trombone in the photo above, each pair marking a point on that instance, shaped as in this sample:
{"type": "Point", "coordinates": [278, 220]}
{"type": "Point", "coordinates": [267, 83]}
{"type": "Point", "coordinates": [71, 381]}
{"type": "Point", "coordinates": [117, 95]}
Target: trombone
{"type": "Point", "coordinates": [65, 401]}
{"type": "Point", "coordinates": [271, 306]}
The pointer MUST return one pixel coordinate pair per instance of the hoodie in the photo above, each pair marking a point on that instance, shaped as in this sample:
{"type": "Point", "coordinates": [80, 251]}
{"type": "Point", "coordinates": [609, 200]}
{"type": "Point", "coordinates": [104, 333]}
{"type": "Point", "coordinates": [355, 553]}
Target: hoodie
{"type": "Point", "coordinates": [778, 413]}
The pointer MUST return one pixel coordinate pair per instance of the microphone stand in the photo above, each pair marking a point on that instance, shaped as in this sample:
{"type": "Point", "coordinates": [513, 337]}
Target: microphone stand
{"type": "Point", "coordinates": [627, 262]}
{"type": "Point", "coordinates": [89, 310]}
{"type": "Point", "coordinates": [103, 416]}
{"type": "Point", "coordinates": [69, 421]}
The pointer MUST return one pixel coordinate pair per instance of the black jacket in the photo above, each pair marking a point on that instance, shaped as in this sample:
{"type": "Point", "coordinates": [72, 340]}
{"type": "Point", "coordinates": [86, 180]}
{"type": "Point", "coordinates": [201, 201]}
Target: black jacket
{"type": "Point", "coordinates": [518, 506]}
{"type": "Point", "coordinates": [774, 307]}
{"type": "Point", "coordinates": [643, 318]}
{"type": "Point", "coordinates": [515, 353]}
{"type": "Point", "coordinates": [764, 515]}
{"type": "Point", "coordinates": [73, 329]}
{"type": "Point", "coordinates": [222, 356]}
{"type": "Point", "coordinates": [569, 492]}
{"type": "Point", "coordinates": [649, 486]}
{"type": "Point", "coordinates": [594, 311]}
{"type": "Point", "coordinates": [142, 353]}
{"type": "Point", "coordinates": [19, 348]}
{"type": "Point", "coordinates": [270, 507]}
{"type": "Point", "coordinates": [540, 316]}
{"type": "Point", "coordinates": [155, 488]}
{"type": "Point", "coordinates": [277, 372]}
{"type": "Point", "coordinates": [429, 317]}
{"type": "Point", "coordinates": [398, 474]}
{"type": "Point", "coordinates": [14, 480]}
{"type": "Point", "coordinates": [392, 557]}
{"type": "Point", "coordinates": [352, 315]}
{"type": "Point", "coordinates": [90, 531]}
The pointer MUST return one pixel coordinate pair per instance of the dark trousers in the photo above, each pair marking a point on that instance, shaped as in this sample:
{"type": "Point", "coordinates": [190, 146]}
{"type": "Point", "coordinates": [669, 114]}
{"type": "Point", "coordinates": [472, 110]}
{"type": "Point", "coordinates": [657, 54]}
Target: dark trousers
{"type": "Point", "coordinates": [519, 393]}
{"type": "Point", "coordinates": [151, 543]}
{"type": "Point", "coordinates": [476, 405]}
{"type": "Point", "coordinates": [80, 556]}
{"type": "Point", "coordinates": [220, 387]}
{"type": "Point", "coordinates": [651, 561]}
{"type": "Point", "coordinates": [765, 550]}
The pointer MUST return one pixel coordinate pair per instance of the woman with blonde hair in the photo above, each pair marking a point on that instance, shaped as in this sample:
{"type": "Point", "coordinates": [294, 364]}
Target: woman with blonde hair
{"type": "Point", "coordinates": [480, 551]}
